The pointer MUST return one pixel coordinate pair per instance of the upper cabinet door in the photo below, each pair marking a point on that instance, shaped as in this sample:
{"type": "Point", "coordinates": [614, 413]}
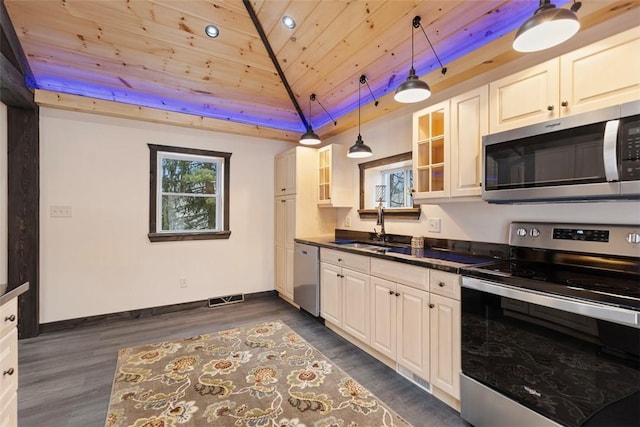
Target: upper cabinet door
{"type": "Point", "coordinates": [524, 98]}
{"type": "Point", "coordinates": [335, 177]}
{"type": "Point", "coordinates": [285, 173]}
{"type": "Point", "coordinates": [431, 152]}
{"type": "Point", "coordinates": [602, 74]}
{"type": "Point", "coordinates": [469, 123]}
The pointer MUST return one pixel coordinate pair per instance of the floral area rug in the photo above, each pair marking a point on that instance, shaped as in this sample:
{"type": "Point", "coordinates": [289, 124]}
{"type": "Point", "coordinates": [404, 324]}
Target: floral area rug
{"type": "Point", "coordinates": [265, 375]}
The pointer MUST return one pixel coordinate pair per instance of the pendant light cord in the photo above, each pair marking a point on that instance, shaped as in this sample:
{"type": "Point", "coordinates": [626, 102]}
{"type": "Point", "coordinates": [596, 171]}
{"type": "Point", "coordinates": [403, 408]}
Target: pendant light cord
{"type": "Point", "coordinates": [418, 24]}
{"type": "Point", "coordinates": [359, 84]}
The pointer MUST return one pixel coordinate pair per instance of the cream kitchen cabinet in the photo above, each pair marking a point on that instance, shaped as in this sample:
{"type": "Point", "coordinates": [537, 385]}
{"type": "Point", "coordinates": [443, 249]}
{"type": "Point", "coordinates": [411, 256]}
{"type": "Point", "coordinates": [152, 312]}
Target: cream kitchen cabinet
{"type": "Point", "coordinates": [285, 173]}
{"type": "Point", "coordinates": [400, 314]}
{"type": "Point", "coordinates": [335, 177]}
{"type": "Point", "coordinates": [601, 74]}
{"type": "Point", "coordinates": [445, 328]}
{"type": "Point", "coordinates": [469, 123]}
{"type": "Point", "coordinates": [296, 215]}
{"type": "Point", "coordinates": [344, 279]}
{"type": "Point", "coordinates": [9, 363]}
{"type": "Point", "coordinates": [431, 139]}
{"type": "Point", "coordinates": [285, 235]}
{"type": "Point", "coordinates": [598, 75]}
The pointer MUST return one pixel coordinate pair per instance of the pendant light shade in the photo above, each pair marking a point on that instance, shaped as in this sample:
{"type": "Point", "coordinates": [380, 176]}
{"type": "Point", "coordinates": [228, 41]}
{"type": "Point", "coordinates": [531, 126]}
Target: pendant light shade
{"type": "Point", "coordinates": [548, 27]}
{"type": "Point", "coordinates": [310, 137]}
{"type": "Point", "coordinates": [360, 149]}
{"type": "Point", "coordinates": [413, 89]}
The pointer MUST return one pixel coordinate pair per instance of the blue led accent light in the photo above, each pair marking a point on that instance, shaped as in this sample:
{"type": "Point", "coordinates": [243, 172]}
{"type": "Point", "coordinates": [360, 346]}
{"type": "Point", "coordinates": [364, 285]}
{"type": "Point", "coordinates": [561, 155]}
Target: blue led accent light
{"type": "Point", "coordinates": [506, 20]}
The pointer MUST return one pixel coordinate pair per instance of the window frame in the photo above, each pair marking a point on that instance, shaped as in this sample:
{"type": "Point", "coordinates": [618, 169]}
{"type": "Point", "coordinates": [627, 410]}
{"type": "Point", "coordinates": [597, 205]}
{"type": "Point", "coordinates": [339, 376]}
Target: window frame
{"type": "Point", "coordinates": [184, 153]}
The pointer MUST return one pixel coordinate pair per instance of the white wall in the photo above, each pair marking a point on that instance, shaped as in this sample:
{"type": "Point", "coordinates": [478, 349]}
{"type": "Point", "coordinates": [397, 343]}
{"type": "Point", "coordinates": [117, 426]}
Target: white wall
{"type": "Point", "coordinates": [476, 220]}
{"type": "Point", "coordinates": [3, 194]}
{"type": "Point", "coordinates": [100, 260]}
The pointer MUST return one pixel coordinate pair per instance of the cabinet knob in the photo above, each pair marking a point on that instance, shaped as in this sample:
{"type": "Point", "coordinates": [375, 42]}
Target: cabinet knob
{"type": "Point", "coordinates": [283, 189]}
{"type": "Point", "coordinates": [391, 292]}
{"type": "Point", "coordinates": [283, 201]}
{"type": "Point", "coordinates": [9, 371]}
{"type": "Point", "coordinates": [431, 305]}
{"type": "Point", "coordinates": [550, 107]}
{"type": "Point", "coordinates": [413, 190]}
{"type": "Point", "coordinates": [564, 103]}
{"type": "Point", "coordinates": [397, 294]}
{"type": "Point", "coordinates": [441, 284]}
{"type": "Point", "coordinates": [11, 318]}
{"type": "Point", "coordinates": [339, 259]}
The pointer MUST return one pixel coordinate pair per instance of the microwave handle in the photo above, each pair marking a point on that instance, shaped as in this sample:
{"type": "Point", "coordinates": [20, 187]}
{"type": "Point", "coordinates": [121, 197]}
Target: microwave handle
{"type": "Point", "coordinates": [609, 150]}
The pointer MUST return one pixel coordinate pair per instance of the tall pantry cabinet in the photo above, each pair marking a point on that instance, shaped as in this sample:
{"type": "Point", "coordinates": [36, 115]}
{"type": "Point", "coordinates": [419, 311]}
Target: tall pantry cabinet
{"type": "Point", "coordinates": [296, 210]}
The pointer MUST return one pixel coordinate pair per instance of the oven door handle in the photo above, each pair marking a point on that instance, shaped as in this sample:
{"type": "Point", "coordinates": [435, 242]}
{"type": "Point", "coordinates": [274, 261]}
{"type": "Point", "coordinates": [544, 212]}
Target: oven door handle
{"type": "Point", "coordinates": [598, 311]}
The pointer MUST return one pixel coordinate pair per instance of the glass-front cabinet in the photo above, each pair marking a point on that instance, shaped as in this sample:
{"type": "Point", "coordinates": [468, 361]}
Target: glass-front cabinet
{"type": "Point", "coordinates": [324, 176]}
{"type": "Point", "coordinates": [335, 171]}
{"type": "Point", "coordinates": [430, 151]}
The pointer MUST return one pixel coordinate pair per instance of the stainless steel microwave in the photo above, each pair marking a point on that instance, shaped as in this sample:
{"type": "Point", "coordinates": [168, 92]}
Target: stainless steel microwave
{"type": "Point", "coordinates": [589, 156]}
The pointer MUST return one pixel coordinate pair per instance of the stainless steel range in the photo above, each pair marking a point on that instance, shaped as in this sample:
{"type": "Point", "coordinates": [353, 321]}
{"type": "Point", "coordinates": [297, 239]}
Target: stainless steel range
{"type": "Point", "coordinates": [552, 336]}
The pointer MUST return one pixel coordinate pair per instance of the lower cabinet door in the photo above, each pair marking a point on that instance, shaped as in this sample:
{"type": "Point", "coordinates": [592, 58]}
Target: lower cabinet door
{"type": "Point", "coordinates": [355, 312]}
{"type": "Point", "coordinates": [445, 345]}
{"type": "Point", "coordinates": [331, 293]}
{"type": "Point", "coordinates": [413, 330]}
{"type": "Point", "coordinates": [383, 316]}
{"type": "Point", "coordinates": [9, 411]}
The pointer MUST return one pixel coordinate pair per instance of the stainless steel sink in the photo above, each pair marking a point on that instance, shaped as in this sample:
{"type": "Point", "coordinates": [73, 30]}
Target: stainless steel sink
{"type": "Point", "coordinates": [363, 245]}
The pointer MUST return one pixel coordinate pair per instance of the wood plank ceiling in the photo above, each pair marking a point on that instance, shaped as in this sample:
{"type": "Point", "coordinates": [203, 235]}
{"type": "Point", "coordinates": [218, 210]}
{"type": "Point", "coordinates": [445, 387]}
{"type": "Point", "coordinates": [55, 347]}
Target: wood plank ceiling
{"type": "Point", "coordinates": [154, 53]}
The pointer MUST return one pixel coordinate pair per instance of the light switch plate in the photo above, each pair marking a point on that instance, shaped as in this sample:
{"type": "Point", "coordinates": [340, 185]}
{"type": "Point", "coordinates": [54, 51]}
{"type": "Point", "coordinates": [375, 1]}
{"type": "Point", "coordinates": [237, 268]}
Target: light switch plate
{"type": "Point", "coordinates": [433, 225]}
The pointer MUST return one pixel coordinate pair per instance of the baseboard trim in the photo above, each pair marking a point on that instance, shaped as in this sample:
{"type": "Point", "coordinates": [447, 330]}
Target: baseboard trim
{"type": "Point", "coordinates": [139, 313]}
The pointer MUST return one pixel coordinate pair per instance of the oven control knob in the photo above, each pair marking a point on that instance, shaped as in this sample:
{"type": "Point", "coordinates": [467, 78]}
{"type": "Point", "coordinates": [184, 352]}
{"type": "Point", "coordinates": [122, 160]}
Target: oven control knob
{"type": "Point", "coordinates": [521, 232]}
{"type": "Point", "coordinates": [534, 232]}
{"type": "Point", "coordinates": [633, 238]}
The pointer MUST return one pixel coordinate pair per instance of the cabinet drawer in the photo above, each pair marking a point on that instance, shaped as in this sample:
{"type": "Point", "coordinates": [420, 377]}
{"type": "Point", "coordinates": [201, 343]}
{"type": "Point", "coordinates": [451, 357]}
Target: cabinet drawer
{"type": "Point", "coordinates": [445, 284]}
{"type": "Point", "coordinates": [8, 364]}
{"type": "Point", "coordinates": [345, 259]}
{"type": "Point", "coordinates": [411, 275]}
{"type": "Point", "coordinates": [8, 316]}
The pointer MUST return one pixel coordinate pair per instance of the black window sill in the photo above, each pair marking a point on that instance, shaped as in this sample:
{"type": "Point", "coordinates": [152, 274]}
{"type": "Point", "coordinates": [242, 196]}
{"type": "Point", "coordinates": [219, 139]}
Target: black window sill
{"type": "Point", "coordinates": [178, 237]}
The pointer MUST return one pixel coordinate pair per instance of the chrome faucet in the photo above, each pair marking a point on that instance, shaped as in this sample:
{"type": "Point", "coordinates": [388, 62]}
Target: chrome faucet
{"type": "Point", "coordinates": [381, 235]}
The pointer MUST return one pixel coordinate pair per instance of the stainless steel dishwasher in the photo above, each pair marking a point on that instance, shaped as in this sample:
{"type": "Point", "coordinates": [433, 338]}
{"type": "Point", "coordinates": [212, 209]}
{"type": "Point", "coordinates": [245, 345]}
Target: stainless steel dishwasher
{"type": "Point", "coordinates": [306, 278]}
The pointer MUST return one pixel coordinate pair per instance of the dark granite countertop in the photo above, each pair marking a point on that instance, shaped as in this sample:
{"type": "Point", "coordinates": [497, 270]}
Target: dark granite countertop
{"type": "Point", "coordinates": [436, 258]}
{"type": "Point", "coordinates": [6, 296]}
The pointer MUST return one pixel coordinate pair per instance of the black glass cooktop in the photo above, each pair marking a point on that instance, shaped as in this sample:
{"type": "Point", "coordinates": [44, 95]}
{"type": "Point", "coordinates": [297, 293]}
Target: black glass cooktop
{"type": "Point", "coordinates": [614, 288]}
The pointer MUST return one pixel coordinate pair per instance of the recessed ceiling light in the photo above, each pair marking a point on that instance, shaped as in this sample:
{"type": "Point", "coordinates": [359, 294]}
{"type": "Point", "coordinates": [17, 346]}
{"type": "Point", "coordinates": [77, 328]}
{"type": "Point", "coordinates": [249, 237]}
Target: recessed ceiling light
{"type": "Point", "coordinates": [289, 22]}
{"type": "Point", "coordinates": [211, 31]}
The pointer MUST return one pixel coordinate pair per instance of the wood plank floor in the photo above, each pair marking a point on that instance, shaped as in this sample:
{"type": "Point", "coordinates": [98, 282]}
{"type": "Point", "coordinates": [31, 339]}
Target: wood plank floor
{"type": "Point", "coordinates": [65, 376]}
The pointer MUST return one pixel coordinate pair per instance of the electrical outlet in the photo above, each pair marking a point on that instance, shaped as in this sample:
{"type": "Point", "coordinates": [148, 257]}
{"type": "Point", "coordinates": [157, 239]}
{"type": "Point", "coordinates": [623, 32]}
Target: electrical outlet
{"type": "Point", "coordinates": [434, 225]}
{"type": "Point", "coordinates": [183, 282]}
{"type": "Point", "coordinates": [60, 211]}
{"type": "Point", "coordinates": [347, 221]}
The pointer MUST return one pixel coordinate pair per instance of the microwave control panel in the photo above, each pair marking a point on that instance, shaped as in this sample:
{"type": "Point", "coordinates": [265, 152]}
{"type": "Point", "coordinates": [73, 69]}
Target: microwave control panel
{"type": "Point", "coordinates": [630, 150]}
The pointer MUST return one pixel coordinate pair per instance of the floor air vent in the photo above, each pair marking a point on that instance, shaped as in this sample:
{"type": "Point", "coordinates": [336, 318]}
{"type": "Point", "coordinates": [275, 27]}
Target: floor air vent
{"type": "Point", "coordinates": [230, 299]}
{"type": "Point", "coordinates": [414, 378]}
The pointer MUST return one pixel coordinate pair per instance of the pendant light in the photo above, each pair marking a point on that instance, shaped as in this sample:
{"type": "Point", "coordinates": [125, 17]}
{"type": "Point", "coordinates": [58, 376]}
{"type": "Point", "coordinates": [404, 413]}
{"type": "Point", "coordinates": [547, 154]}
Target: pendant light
{"type": "Point", "coordinates": [413, 89]}
{"type": "Point", "coordinates": [548, 27]}
{"type": "Point", "coordinates": [359, 149]}
{"type": "Point", "coordinates": [310, 137]}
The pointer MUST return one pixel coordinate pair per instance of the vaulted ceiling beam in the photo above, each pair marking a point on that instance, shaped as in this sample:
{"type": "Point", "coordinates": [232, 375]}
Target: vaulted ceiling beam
{"type": "Point", "coordinates": [272, 55]}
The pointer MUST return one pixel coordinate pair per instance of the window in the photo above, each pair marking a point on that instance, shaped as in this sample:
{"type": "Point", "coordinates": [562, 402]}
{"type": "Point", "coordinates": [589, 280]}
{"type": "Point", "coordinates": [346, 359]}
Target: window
{"type": "Point", "coordinates": [398, 184]}
{"type": "Point", "coordinates": [189, 194]}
